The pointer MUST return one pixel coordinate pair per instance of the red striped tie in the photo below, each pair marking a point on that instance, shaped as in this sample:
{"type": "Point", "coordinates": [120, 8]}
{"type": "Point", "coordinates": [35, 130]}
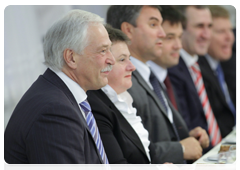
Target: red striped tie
{"type": "Point", "coordinates": [213, 129]}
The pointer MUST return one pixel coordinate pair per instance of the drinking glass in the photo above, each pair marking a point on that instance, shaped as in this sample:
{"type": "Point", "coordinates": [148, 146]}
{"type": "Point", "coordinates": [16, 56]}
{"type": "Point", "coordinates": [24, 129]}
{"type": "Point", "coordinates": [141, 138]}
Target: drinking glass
{"type": "Point", "coordinates": [228, 160]}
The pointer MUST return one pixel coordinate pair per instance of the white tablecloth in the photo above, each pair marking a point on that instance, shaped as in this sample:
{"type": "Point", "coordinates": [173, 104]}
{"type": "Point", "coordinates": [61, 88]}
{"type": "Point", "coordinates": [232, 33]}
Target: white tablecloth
{"type": "Point", "coordinates": [229, 139]}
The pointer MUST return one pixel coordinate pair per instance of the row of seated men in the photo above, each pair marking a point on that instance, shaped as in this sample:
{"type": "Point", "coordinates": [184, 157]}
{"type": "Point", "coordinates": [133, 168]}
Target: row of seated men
{"type": "Point", "coordinates": [166, 98]}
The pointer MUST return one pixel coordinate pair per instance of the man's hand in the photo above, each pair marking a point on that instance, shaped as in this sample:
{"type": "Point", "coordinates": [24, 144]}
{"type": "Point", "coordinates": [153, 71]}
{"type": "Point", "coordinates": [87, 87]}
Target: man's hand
{"type": "Point", "coordinates": [193, 150]}
{"type": "Point", "coordinates": [201, 135]}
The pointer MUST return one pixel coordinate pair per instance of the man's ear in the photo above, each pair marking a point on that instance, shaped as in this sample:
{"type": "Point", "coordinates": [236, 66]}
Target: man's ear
{"type": "Point", "coordinates": [70, 58]}
{"type": "Point", "coordinates": [128, 29]}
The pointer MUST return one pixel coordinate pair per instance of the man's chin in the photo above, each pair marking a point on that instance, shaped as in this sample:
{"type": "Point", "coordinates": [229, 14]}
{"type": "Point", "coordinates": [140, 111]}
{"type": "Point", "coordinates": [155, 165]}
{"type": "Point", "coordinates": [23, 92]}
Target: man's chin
{"type": "Point", "coordinates": [201, 52]}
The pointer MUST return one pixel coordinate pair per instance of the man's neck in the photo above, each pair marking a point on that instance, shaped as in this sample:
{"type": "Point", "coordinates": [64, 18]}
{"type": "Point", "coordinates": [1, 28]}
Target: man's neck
{"type": "Point", "coordinates": [138, 56]}
{"type": "Point", "coordinates": [188, 51]}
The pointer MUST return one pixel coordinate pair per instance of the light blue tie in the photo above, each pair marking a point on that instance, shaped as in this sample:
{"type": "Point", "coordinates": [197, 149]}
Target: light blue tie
{"type": "Point", "coordinates": [222, 82]}
{"type": "Point", "coordinates": [94, 129]}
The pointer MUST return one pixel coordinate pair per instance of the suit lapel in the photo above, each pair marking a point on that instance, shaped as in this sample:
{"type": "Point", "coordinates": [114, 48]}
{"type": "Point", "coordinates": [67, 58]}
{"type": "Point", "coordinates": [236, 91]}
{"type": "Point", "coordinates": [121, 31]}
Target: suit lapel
{"type": "Point", "coordinates": [177, 119]}
{"type": "Point", "coordinates": [210, 76]}
{"type": "Point", "coordinates": [183, 70]}
{"type": "Point", "coordinates": [53, 78]}
{"type": "Point", "coordinates": [143, 83]}
{"type": "Point", "coordinates": [125, 126]}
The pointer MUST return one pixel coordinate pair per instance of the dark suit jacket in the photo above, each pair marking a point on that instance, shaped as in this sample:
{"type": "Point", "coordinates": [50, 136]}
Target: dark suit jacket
{"type": "Point", "coordinates": [216, 97]}
{"type": "Point", "coordinates": [47, 126]}
{"type": "Point", "coordinates": [190, 104]}
{"type": "Point", "coordinates": [155, 120]}
{"type": "Point", "coordinates": [121, 143]}
{"type": "Point", "coordinates": [229, 69]}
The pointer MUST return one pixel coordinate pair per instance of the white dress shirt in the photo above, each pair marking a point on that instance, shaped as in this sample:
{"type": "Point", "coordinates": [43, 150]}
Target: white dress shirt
{"type": "Point", "coordinates": [212, 62]}
{"type": "Point", "coordinates": [78, 93]}
{"type": "Point", "coordinates": [189, 61]}
{"type": "Point", "coordinates": [145, 72]}
{"type": "Point", "coordinates": [160, 73]}
{"type": "Point", "coordinates": [123, 103]}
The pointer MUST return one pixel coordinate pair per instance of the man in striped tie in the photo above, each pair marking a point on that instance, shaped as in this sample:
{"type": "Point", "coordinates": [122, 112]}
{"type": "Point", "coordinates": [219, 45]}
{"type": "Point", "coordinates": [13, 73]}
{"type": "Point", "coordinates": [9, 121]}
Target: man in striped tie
{"type": "Point", "coordinates": [186, 76]}
{"type": "Point", "coordinates": [172, 25]}
{"type": "Point", "coordinates": [53, 123]}
{"type": "Point", "coordinates": [220, 49]}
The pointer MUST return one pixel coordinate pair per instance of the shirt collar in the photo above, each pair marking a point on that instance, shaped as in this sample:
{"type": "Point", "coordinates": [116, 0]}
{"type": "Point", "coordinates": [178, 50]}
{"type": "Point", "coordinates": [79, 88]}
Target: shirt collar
{"type": "Point", "coordinates": [122, 101]}
{"type": "Point", "coordinates": [78, 93]}
{"type": "Point", "coordinates": [160, 73]}
{"type": "Point", "coordinates": [112, 95]}
{"type": "Point", "coordinates": [187, 58]}
{"type": "Point", "coordinates": [212, 62]}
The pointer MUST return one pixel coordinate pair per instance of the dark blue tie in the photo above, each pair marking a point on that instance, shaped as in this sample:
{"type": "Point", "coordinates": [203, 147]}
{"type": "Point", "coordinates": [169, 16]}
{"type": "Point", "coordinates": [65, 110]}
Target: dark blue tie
{"type": "Point", "coordinates": [157, 89]}
{"type": "Point", "coordinates": [94, 129]}
{"type": "Point", "coordinates": [222, 82]}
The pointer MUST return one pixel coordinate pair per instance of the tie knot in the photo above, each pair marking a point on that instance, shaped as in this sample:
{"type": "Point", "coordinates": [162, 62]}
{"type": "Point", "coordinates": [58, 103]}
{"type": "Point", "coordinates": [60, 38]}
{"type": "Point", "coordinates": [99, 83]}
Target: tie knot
{"type": "Point", "coordinates": [86, 107]}
{"type": "Point", "coordinates": [195, 67]}
{"type": "Point", "coordinates": [167, 82]}
{"type": "Point", "coordinates": [219, 70]}
{"type": "Point", "coordinates": [152, 76]}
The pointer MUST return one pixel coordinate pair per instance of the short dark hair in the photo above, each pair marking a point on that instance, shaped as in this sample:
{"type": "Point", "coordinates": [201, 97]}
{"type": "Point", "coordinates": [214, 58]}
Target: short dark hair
{"type": "Point", "coordinates": [117, 14]}
{"type": "Point", "coordinates": [182, 9]}
{"type": "Point", "coordinates": [116, 35]}
{"type": "Point", "coordinates": [171, 14]}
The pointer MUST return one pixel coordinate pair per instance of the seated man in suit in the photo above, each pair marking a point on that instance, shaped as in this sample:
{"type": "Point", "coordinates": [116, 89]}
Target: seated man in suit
{"type": "Point", "coordinates": [172, 25]}
{"type": "Point", "coordinates": [220, 49]}
{"type": "Point", "coordinates": [142, 25]}
{"type": "Point", "coordinates": [229, 69]}
{"type": "Point", "coordinates": [186, 76]}
{"type": "Point", "coordinates": [51, 122]}
{"type": "Point", "coordinates": [124, 138]}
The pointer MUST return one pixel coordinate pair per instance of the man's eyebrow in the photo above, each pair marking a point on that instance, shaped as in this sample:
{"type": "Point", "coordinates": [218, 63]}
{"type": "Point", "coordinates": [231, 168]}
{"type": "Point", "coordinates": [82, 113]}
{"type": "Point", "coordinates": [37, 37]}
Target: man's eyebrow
{"type": "Point", "coordinates": [105, 45]}
{"type": "Point", "coordinates": [124, 55]}
{"type": "Point", "coordinates": [153, 18]}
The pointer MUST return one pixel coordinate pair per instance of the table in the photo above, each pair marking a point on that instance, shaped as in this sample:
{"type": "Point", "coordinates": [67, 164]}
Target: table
{"type": "Point", "coordinates": [214, 151]}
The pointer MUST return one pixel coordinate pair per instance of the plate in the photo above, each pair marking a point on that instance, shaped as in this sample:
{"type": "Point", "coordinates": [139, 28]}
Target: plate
{"type": "Point", "coordinates": [230, 140]}
{"type": "Point", "coordinates": [213, 157]}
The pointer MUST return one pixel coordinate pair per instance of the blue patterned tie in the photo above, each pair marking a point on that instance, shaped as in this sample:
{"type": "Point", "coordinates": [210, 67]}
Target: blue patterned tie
{"type": "Point", "coordinates": [94, 129]}
{"type": "Point", "coordinates": [158, 91]}
{"type": "Point", "coordinates": [222, 82]}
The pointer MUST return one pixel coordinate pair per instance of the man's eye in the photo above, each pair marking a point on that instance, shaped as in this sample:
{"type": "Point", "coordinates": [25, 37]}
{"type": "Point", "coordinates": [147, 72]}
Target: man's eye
{"type": "Point", "coordinates": [153, 25]}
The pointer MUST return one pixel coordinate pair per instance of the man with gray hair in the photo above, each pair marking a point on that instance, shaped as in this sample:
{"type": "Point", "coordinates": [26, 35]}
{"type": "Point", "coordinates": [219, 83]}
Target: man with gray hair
{"type": "Point", "coordinates": [53, 122]}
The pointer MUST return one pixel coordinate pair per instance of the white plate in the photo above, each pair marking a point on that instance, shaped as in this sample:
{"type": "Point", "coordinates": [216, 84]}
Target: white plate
{"type": "Point", "coordinates": [230, 140]}
{"type": "Point", "coordinates": [213, 157]}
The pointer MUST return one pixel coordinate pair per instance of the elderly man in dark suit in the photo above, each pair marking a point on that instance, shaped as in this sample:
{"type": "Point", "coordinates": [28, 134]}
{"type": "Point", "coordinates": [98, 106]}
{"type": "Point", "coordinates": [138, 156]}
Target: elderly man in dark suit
{"type": "Point", "coordinates": [53, 123]}
{"type": "Point", "coordinates": [220, 49]}
{"type": "Point", "coordinates": [142, 24]}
